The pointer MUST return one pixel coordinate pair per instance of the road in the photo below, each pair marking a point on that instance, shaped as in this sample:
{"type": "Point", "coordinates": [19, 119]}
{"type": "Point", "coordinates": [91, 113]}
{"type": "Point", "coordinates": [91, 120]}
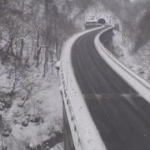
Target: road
{"type": "Point", "coordinates": [121, 116]}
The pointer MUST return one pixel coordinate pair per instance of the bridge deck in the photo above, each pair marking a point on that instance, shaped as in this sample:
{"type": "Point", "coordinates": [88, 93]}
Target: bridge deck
{"type": "Point", "coordinates": [122, 117]}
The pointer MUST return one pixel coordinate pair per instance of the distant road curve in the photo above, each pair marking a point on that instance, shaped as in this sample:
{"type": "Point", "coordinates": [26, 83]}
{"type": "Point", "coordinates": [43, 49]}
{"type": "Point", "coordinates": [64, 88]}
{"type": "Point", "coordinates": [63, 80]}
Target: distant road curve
{"type": "Point", "coordinates": [121, 116]}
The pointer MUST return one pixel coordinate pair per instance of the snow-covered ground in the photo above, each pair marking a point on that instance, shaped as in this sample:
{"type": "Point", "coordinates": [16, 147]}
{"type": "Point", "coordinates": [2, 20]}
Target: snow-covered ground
{"type": "Point", "coordinates": [36, 119]}
{"type": "Point", "coordinates": [137, 62]}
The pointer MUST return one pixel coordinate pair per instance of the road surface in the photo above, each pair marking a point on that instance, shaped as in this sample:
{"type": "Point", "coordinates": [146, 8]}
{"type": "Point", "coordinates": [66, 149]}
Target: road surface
{"type": "Point", "coordinates": [122, 117]}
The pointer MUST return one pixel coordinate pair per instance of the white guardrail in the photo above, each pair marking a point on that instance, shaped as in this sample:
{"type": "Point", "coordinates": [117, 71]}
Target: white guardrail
{"type": "Point", "coordinates": [84, 131]}
{"type": "Point", "coordinates": [135, 81]}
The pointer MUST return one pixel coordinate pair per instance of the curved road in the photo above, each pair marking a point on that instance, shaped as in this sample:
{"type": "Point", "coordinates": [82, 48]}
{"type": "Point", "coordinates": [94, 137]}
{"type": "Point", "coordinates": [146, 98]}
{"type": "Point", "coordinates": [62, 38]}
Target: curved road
{"type": "Point", "coordinates": [122, 117]}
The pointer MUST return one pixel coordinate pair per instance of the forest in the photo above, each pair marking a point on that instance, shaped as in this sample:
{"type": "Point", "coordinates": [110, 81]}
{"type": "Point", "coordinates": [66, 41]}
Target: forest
{"type": "Point", "coordinates": [32, 34]}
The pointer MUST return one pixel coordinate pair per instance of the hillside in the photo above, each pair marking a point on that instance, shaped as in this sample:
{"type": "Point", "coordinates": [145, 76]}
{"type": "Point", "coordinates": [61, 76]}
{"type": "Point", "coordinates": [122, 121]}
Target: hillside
{"type": "Point", "coordinates": [32, 34]}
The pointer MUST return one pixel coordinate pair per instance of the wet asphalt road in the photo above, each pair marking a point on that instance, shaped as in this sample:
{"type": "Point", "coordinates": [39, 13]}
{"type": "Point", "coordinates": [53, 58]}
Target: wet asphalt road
{"type": "Point", "coordinates": [122, 117]}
